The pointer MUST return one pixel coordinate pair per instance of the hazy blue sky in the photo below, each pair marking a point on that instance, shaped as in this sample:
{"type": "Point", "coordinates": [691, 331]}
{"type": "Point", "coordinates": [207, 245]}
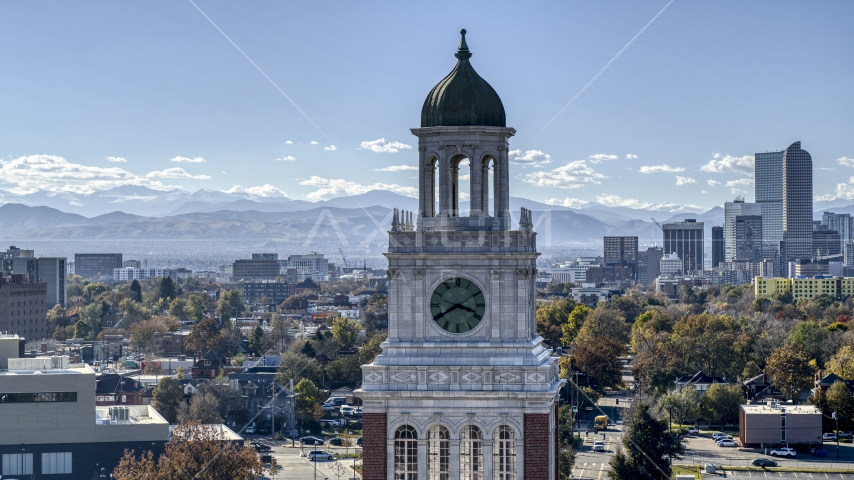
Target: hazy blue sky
{"type": "Point", "coordinates": [153, 83]}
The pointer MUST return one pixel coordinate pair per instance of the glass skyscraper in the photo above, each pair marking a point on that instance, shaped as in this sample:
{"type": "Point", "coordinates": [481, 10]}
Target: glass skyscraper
{"type": "Point", "coordinates": [769, 195]}
{"type": "Point", "coordinates": [797, 204]}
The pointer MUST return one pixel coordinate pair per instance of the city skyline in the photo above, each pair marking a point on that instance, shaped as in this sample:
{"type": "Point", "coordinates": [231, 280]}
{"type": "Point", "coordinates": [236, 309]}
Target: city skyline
{"type": "Point", "coordinates": [212, 96]}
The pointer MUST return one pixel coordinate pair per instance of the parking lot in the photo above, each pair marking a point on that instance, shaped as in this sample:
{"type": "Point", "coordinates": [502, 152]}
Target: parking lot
{"type": "Point", "coordinates": [735, 474]}
{"type": "Point", "coordinates": [293, 464]}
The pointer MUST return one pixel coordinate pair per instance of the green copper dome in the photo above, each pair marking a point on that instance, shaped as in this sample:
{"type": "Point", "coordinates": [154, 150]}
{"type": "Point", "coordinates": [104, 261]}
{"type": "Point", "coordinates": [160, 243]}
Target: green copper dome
{"type": "Point", "coordinates": [463, 98]}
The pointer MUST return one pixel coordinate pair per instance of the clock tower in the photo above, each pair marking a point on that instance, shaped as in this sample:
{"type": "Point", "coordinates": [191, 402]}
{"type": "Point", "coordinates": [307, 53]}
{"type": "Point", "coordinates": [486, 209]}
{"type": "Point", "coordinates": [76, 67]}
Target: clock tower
{"type": "Point", "coordinates": [464, 387]}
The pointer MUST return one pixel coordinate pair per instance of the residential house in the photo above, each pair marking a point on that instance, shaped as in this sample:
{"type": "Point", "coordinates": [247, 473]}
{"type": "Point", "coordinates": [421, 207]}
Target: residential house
{"type": "Point", "coordinates": [209, 366]}
{"type": "Point", "coordinates": [759, 389]}
{"type": "Point", "coordinates": [260, 391]}
{"type": "Point", "coordinates": [114, 389]}
{"type": "Point", "coordinates": [700, 381]}
{"type": "Point", "coordinates": [307, 286]}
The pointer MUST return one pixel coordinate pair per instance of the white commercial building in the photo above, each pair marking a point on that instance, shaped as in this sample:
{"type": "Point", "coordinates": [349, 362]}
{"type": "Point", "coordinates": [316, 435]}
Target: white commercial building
{"type": "Point", "coordinates": [129, 274]}
{"type": "Point", "coordinates": [313, 265]}
{"type": "Point", "coordinates": [671, 264]}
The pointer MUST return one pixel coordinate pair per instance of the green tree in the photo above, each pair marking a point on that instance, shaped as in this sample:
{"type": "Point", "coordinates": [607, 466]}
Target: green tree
{"type": "Point", "coordinates": [790, 371]}
{"type": "Point", "coordinates": [92, 315]}
{"type": "Point", "coordinates": [297, 366]}
{"type": "Point", "coordinates": [198, 304]}
{"type": "Point", "coordinates": [345, 331]}
{"type": "Point", "coordinates": [551, 317]}
{"type": "Point", "coordinates": [82, 330]}
{"type": "Point", "coordinates": [629, 306]}
{"type": "Point", "coordinates": [567, 442]}
{"type": "Point", "coordinates": [751, 369]}
{"type": "Point", "coordinates": [167, 289]}
{"type": "Point", "coordinates": [166, 398]}
{"type": "Point", "coordinates": [648, 447]}
{"type": "Point", "coordinates": [238, 359]}
{"type": "Point", "coordinates": [683, 404]}
{"type": "Point", "coordinates": [810, 337]}
{"type": "Point", "coordinates": [839, 400]}
{"type": "Point", "coordinates": [574, 323]}
{"type": "Point", "coordinates": [597, 359]}
{"type": "Point", "coordinates": [371, 348]}
{"type": "Point", "coordinates": [136, 291]}
{"type": "Point", "coordinates": [344, 371]}
{"type": "Point", "coordinates": [230, 305]}
{"type": "Point", "coordinates": [842, 363]}
{"type": "Point", "coordinates": [308, 350]}
{"type": "Point", "coordinates": [94, 290]}
{"type": "Point", "coordinates": [721, 403]}
{"type": "Point", "coordinates": [178, 308]}
{"type": "Point", "coordinates": [256, 341]}
{"type": "Point", "coordinates": [309, 396]}
{"type": "Point", "coordinates": [58, 317]}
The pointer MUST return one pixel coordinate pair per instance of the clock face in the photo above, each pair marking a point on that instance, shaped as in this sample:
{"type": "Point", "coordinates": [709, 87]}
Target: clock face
{"type": "Point", "coordinates": [457, 305]}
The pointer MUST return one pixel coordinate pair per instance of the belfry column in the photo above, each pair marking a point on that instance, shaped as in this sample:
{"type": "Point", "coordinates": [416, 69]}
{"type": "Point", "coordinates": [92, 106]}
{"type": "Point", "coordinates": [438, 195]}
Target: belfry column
{"type": "Point", "coordinates": [502, 194]}
{"type": "Point", "coordinates": [444, 183]}
{"type": "Point", "coordinates": [424, 194]}
{"type": "Point", "coordinates": [476, 185]}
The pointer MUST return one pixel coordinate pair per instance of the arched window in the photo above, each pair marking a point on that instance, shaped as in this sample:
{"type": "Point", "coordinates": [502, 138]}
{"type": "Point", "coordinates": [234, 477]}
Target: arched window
{"type": "Point", "coordinates": [504, 453]}
{"type": "Point", "coordinates": [471, 453]}
{"type": "Point", "coordinates": [405, 453]}
{"type": "Point", "coordinates": [438, 453]}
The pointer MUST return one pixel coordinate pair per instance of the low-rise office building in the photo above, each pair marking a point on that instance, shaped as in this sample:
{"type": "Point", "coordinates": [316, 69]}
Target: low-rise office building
{"type": "Point", "coordinates": [772, 423]}
{"type": "Point", "coordinates": [51, 425]}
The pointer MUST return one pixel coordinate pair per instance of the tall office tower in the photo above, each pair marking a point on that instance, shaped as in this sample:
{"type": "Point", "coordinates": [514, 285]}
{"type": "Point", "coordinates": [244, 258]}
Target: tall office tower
{"type": "Point", "coordinates": [649, 265]}
{"type": "Point", "coordinates": [717, 246]}
{"type": "Point", "coordinates": [731, 211]}
{"type": "Point", "coordinates": [839, 222]}
{"type": "Point", "coordinates": [748, 239]}
{"type": "Point", "coordinates": [797, 204]}
{"type": "Point", "coordinates": [848, 254]}
{"type": "Point", "coordinates": [622, 251]}
{"type": "Point", "coordinates": [769, 194]}
{"type": "Point", "coordinates": [96, 265]}
{"type": "Point", "coordinates": [685, 239]}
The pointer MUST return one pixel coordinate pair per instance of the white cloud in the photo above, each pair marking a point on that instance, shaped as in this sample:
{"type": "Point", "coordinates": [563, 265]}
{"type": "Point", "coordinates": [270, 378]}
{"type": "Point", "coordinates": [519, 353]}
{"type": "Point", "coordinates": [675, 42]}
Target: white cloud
{"type": "Point", "coordinates": [53, 173]}
{"type": "Point", "coordinates": [713, 183]}
{"type": "Point", "coordinates": [289, 158]}
{"type": "Point", "coordinates": [567, 202]}
{"type": "Point", "coordinates": [631, 156]}
{"type": "Point", "coordinates": [175, 172]}
{"type": "Point", "coordinates": [684, 180]}
{"type": "Point", "coordinates": [660, 169]}
{"type": "Point", "coordinates": [531, 158]}
{"type": "Point", "coordinates": [314, 143]}
{"type": "Point", "coordinates": [610, 200]}
{"type": "Point", "coordinates": [397, 168]}
{"type": "Point", "coordinates": [601, 157]}
{"type": "Point", "coordinates": [704, 191]}
{"type": "Point", "coordinates": [265, 190]}
{"type": "Point", "coordinates": [464, 177]}
{"type": "Point", "coordinates": [848, 162]}
{"type": "Point", "coordinates": [289, 142]}
{"type": "Point", "coordinates": [328, 187]}
{"type": "Point", "coordinates": [729, 164]}
{"type": "Point", "coordinates": [824, 198]}
{"type": "Point", "coordinates": [381, 145]}
{"type": "Point", "coordinates": [187, 160]}
{"type": "Point", "coordinates": [331, 148]}
{"type": "Point", "coordinates": [741, 182]}
{"type": "Point", "coordinates": [843, 190]}
{"type": "Point", "coordinates": [572, 175]}
{"type": "Point", "coordinates": [116, 159]}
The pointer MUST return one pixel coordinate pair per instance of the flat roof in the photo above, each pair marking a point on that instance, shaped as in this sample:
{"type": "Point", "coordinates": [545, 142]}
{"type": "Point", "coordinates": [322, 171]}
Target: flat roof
{"type": "Point", "coordinates": [73, 369]}
{"type": "Point", "coordinates": [781, 409]}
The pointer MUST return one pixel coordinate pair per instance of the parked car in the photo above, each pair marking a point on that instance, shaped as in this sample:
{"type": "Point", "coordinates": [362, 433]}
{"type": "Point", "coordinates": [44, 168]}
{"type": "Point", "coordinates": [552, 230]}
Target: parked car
{"type": "Point", "coordinates": [347, 410]}
{"type": "Point", "coordinates": [338, 401]}
{"type": "Point", "coordinates": [727, 443]}
{"type": "Point", "coordinates": [692, 431]}
{"type": "Point", "coordinates": [320, 455]}
{"type": "Point", "coordinates": [829, 437]}
{"type": "Point", "coordinates": [718, 436]}
{"type": "Point", "coordinates": [599, 446]}
{"type": "Point", "coordinates": [250, 430]}
{"type": "Point", "coordinates": [763, 462]}
{"type": "Point", "coordinates": [337, 441]}
{"type": "Point", "coordinates": [265, 459]}
{"type": "Point", "coordinates": [311, 441]}
{"type": "Point", "coordinates": [819, 452]}
{"type": "Point", "coordinates": [783, 452]}
{"type": "Point", "coordinates": [263, 430]}
{"type": "Point", "coordinates": [262, 447]}
{"type": "Point", "coordinates": [328, 407]}
{"type": "Point", "coordinates": [359, 441]}
{"type": "Point", "coordinates": [842, 435]}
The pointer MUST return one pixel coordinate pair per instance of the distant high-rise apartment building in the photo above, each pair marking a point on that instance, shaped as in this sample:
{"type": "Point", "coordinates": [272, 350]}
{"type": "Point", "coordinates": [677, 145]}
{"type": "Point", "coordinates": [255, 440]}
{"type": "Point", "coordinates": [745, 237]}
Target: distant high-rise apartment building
{"type": "Point", "coordinates": [685, 239]}
{"type": "Point", "coordinates": [848, 254]}
{"type": "Point", "coordinates": [96, 265]}
{"type": "Point", "coordinates": [797, 204]}
{"type": "Point", "coordinates": [825, 243]}
{"type": "Point", "coordinates": [622, 251]}
{"type": "Point", "coordinates": [839, 222]}
{"type": "Point", "coordinates": [15, 252]}
{"type": "Point", "coordinates": [23, 307]}
{"type": "Point", "coordinates": [649, 265]}
{"type": "Point", "coordinates": [768, 169]}
{"type": "Point", "coordinates": [717, 246]}
{"type": "Point", "coordinates": [748, 239]}
{"type": "Point", "coordinates": [670, 264]}
{"type": "Point", "coordinates": [731, 211]}
{"type": "Point", "coordinates": [48, 270]}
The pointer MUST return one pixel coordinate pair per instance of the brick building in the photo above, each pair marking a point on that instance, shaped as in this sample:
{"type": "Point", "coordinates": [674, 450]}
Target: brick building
{"type": "Point", "coordinates": [170, 344]}
{"type": "Point", "coordinates": [23, 307]}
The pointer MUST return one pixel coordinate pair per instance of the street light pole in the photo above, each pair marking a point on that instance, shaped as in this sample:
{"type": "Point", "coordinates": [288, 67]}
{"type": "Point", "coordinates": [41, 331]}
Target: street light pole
{"type": "Point", "coordinates": [836, 417]}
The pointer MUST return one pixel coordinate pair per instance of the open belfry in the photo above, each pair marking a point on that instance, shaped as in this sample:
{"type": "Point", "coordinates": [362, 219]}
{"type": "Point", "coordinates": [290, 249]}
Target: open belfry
{"type": "Point", "coordinates": [464, 387]}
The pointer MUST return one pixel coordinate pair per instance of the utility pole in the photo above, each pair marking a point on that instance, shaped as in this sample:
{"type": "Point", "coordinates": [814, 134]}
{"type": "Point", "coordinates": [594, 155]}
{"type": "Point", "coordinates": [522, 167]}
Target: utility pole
{"type": "Point", "coordinates": [836, 417]}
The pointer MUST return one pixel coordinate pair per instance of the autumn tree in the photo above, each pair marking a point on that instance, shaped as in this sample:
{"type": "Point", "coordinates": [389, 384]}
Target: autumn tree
{"type": "Point", "coordinates": [203, 337]}
{"type": "Point", "coordinates": [842, 363]}
{"type": "Point", "coordinates": [198, 304]}
{"type": "Point", "coordinates": [178, 309]}
{"type": "Point", "coordinates": [195, 451]}
{"type": "Point", "coordinates": [790, 371]}
{"type": "Point", "coordinates": [574, 323]}
{"type": "Point", "coordinates": [839, 400]}
{"type": "Point", "coordinates": [597, 359]}
{"type": "Point", "coordinates": [551, 317]}
{"type": "Point", "coordinates": [167, 397]}
{"type": "Point", "coordinates": [345, 331]}
{"type": "Point", "coordinates": [309, 396]}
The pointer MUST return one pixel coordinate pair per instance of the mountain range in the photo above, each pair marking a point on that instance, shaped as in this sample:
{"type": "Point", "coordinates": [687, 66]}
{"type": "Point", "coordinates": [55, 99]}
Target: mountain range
{"type": "Point", "coordinates": [134, 212]}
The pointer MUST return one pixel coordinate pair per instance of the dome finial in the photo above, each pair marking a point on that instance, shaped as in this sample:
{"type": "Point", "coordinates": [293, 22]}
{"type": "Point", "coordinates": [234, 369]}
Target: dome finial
{"type": "Point", "coordinates": [463, 50]}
